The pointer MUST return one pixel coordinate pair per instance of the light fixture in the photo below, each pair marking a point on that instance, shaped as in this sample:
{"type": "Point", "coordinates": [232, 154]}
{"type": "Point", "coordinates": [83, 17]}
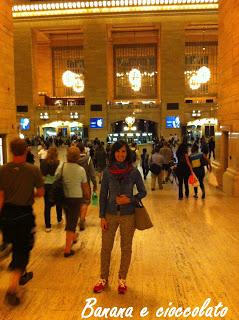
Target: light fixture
{"type": "Point", "coordinates": [203, 74]}
{"type": "Point", "coordinates": [79, 85]}
{"type": "Point", "coordinates": [130, 120]}
{"type": "Point", "coordinates": [196, 113]}
{"type": "Point", "coordinates": [135, 79]}
{"type": "Point", "coordinates": [194, 82]}
{"type": "Point", "coordinates": [68, 78]}
{"type": "Point", "coordinates": [44, 115]}
{"type": "Point", "coordinates": [74, 115]}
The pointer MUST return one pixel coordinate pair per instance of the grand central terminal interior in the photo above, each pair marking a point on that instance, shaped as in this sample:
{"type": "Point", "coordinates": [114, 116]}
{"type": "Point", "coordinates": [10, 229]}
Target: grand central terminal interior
{"type": "Point", "coordinates": [138, 71]}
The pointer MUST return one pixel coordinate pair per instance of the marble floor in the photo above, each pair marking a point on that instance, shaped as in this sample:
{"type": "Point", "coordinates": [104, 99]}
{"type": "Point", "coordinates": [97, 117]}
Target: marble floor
{"type": "Point", "coordinates": [189, 256]}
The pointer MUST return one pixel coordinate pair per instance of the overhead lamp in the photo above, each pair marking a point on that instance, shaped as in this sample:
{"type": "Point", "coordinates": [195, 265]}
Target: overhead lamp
{"type": "Point", "coordinates": [79, 85]}
{"type": "Point", "coordinates": [74, 115]}
{"type": "Point", "coordinates": [135, 79]}
{"type": "Point", "coordinates": [203, 74]}
{"type": "Point", "coordinates": [194, 82]}
{"type": "Point", "coordinates": [130, 120]}
{"type": "Point", "coordinates": [44, 115]}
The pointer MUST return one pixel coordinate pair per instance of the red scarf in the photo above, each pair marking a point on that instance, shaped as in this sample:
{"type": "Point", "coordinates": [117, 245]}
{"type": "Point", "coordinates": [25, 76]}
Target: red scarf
{"type": "Point", "coordinates": [120, 169]}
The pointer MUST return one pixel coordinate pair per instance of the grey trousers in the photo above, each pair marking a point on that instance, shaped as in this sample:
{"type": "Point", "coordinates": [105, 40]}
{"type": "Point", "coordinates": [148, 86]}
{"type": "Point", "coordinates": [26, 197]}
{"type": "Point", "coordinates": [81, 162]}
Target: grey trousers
{"type": "Point", "coordinates": [126, 224]}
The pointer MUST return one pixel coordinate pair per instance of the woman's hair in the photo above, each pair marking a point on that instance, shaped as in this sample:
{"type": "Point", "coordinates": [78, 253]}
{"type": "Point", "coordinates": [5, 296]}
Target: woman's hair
{"type": "Point", "coordinates": [194, 148]}
{"type": "Point", "coordinates": [182, 149]}
{"type": "Point", "coordinates": [73, 154]}
{"type": "Point", "coordinates": [52, 155]}
{"type": "Point", "coordinates": [144, 150]}
{"type": "Point", "coordinates": [118, 145]}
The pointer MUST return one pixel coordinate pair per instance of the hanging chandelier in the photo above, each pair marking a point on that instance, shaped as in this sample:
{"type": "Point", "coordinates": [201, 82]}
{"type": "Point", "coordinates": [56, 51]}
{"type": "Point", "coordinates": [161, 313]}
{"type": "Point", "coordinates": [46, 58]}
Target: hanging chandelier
{"type": "Point", "coordinates": [203, 74]}
{"type": "Point", "coordinates": [135, 79]}
{"type": "Point", "coordinates": [68, 78]}
{"type": "Point", "coordinates": [79, 84]}
{"type": "Point", "coordinates": [73, 80]}
{"type": "Point", "coordinates": [194, 83]}
{"type": "Point", "coordinates": [130, 120]}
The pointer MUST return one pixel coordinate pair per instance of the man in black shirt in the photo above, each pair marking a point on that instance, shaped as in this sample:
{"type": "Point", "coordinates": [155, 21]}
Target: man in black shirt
{"type": "Point", "coordinates": [18, 181]}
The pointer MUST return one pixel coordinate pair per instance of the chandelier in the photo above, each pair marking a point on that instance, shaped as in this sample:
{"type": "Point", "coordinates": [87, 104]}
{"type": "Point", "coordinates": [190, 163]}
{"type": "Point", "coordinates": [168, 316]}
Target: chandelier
{"type": "Point", "coordinates": [73, 80]}
{"type": "Point", "coordinates": [135, 79]}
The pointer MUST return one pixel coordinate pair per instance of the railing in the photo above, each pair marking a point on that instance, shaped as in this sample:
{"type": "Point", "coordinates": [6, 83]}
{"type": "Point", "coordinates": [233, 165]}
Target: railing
{"type": "Point", "coordinates": [133, 106]}
{"type": "Point", "coordinates": [59, 109]}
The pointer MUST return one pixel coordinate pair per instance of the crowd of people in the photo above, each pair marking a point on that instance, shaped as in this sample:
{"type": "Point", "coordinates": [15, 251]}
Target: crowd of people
{"type": "Point", "coordinates": [117, 168]}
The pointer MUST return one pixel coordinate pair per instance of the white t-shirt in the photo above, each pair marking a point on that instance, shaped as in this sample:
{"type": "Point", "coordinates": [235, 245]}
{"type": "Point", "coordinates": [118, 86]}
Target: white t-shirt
{"type": "Point", "coordinates": [42, 154]}
{"type": "Point", "coordinates": [73, 176]}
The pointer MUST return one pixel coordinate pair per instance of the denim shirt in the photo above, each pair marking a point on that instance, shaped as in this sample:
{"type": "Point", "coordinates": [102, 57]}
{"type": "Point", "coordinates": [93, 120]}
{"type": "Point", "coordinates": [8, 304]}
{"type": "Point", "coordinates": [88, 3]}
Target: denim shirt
{"type": "Point", "coordinates": [111, 188]}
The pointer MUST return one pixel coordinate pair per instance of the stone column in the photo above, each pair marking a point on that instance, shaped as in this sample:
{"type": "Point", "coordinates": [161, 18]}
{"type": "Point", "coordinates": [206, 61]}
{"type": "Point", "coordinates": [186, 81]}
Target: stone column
{"type": "Point", "coordinates": [228, 62]}
{"type": "Point", "coordinates": [172, 64]}
{"type": "Point", "coordinates": [7, 88]}
{"type": "Point", "coordinates": [24, 75]}
{"type": "Point", "coordinates": [95, 50]}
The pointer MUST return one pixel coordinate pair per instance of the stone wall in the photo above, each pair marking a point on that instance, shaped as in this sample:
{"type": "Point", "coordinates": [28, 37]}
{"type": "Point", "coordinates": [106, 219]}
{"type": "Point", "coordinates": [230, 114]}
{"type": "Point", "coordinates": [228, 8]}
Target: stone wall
{"type": "Point", "coordinates": [7, 88]}
{"type": "Point", "coordinates": [228, 62]}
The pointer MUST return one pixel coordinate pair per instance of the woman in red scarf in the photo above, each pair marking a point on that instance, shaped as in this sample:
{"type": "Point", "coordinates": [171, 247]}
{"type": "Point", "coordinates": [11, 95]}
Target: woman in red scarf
{"type": "Point", "coordinates": [117, 207]}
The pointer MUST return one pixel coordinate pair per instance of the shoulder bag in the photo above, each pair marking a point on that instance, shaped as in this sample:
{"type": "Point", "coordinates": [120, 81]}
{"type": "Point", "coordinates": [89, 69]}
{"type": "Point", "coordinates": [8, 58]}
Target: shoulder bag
{"type": "Point", "coordinates": [56, 194]}
{"type": "Point", "coordinates": [142, 218]}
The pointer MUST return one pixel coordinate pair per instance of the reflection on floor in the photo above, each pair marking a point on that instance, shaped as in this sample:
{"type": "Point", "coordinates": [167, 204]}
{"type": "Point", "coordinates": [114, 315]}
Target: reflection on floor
{"type": "Point", "coordinates": [190, 255]}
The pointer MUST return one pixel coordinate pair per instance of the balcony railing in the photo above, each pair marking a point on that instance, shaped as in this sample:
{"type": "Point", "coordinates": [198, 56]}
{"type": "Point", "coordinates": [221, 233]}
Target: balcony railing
{"type": "Point", "coordinates": [122, 106]}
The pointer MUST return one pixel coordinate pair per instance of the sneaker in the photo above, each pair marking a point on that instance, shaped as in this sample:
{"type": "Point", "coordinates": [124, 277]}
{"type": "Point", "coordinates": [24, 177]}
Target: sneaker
{"type": "Point", "coordinates": [82, 225]}
{"type": "Point", "coordinates": [12, 298]}
{"type": "Point", "coordinates": [122, 288]}
{"type": "Point", "coordinates": [48, 230]}
{"type": "Point", "coordinates": [27, 276]}
{"type": "Point", "coordinates": [100, 286]}
{"type": "Point", "coordinates": [195, 196]}
{"type": "Point", "coordinates": [180, 198]}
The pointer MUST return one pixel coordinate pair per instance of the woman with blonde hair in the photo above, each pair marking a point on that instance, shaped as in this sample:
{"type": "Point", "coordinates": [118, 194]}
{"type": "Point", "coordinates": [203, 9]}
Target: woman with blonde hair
{"type": "Point", "coordinates": [48, 168]}
{"type": "Point", "coordinates": [76, 189]}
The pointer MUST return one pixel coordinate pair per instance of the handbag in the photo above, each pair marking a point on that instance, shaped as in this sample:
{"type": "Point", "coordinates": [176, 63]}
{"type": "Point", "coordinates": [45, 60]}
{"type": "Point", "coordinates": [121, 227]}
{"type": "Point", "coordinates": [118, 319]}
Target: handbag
{"type": "Point", "coordinates": [56, 194]}
{"type": "Point", "coordinates": [142, 218]}
{"type": "Point", "coordinates": [155, 168]}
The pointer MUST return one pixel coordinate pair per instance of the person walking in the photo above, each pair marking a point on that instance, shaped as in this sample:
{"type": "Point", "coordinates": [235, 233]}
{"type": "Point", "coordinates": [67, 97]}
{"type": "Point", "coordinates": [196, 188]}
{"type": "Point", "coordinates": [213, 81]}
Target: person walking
{"type": "Point", "coordinates": [76, 189]}
{"type": "Point", "coordinates": [145, 163]}
{"type": "Point", "coordinates": [183, 170]}
{"type": "Point", "coordinates": [86, 162]}
{"type": "Point", "coordinates": [167, 154]}
{"type": "Point", "coordinates": [156, 164]}
{"type": "Point", "coordinates": [48, 168]}
{"type": "Point", "coordinates": [117, 207]}
{"type": "Point", "coordinates": [211, 147]}
{"type": "Point", "coordinates": [100, 159]}
{"type": "Point", "coordinates": [197, 159]}
{"type": "Point", "coordinates": [20, 182]}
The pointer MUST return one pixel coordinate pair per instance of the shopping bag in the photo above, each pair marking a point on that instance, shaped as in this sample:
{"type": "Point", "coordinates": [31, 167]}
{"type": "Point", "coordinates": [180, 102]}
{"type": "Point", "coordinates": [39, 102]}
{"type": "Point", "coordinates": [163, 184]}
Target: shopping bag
{"type": "Point", "coordinates": [193, 180]}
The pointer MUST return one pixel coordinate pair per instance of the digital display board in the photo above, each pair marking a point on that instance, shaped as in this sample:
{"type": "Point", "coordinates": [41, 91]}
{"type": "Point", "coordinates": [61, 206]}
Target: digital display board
{"type": "Point", "coordinates": [25, 124]}
{"type": "Point", "coordinates": [96, 123]}
{"type": "Point", "coordinates": [173, 122]}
